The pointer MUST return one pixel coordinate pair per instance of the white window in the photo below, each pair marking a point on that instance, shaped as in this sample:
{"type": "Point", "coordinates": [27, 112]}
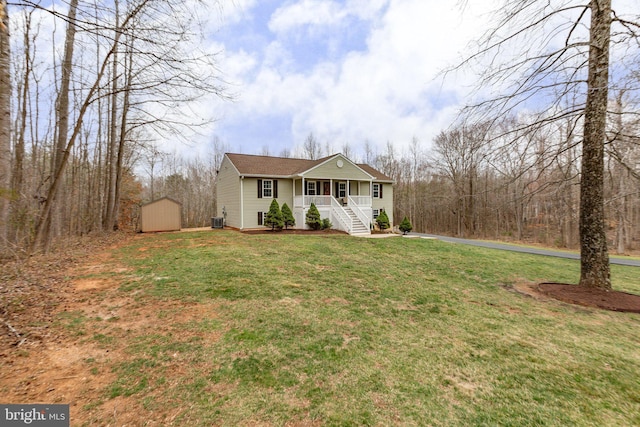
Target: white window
{"type": "Point", "coordinates": [376, 212]}
{"type": "Point", "coordinates": [377, 191]}
{"type": "Point", "coordinates": [267, 188]}
{"type": "Point", "coordinates": [262, 216]}
{"type": "Point", "coordinates": [342, 189]}
{"type": "Point", "coordinates": [311, 188]}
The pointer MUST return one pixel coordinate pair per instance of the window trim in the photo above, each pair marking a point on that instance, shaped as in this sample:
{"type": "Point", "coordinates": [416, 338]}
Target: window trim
{"type": "Point", "coordinates": [376, 190]}
{"type": "Point", "coordinates": [311, 188]}
{"type": "Point", "coordinates": [265, 189]}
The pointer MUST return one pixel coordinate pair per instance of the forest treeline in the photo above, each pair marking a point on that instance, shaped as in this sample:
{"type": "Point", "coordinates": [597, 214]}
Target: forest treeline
{"type": "Point", "coordinates": [81, 143]}
{"type": "Point", "coordinates": [86, 92]}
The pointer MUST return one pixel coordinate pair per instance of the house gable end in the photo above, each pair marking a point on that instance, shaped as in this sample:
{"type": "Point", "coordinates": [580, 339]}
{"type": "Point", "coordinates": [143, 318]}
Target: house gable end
{"type": "Point", "coordinates": [337, 167]}
{"type": "Point", "coordinates": [228, 163]}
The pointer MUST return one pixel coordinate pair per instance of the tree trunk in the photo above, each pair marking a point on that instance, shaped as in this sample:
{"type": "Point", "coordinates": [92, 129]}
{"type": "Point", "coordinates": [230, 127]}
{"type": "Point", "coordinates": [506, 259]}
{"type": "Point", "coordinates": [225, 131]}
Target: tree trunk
{"type": "Point", "coordinates": [43, 230]}
{"type": "Point", "coordinates": [122, 140]}
{"type": "Point", "coordinates": [17, 215]}
{"type": "Point", "coordinates": [109, 217]}
{"type": "Point", "coordinates": [5, 119]}
{"type": "Point", "coordinates": [594, 257]}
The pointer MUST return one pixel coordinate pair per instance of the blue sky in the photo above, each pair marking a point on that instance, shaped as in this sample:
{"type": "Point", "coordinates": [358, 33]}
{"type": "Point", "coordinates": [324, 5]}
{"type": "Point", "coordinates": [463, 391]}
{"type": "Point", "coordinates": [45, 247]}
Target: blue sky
{"type": "Point", "coordinates": [348, 71]}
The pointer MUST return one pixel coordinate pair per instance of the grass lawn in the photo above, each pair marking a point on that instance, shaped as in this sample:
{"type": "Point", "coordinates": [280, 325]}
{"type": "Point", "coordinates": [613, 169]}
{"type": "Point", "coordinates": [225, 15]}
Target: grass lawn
{"type": "Point", "coordinates": [337, 330]}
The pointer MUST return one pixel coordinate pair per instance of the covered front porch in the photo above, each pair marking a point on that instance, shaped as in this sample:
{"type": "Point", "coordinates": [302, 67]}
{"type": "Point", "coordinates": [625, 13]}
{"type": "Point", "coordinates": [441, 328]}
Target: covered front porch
{"type": "Point", "coordinates": [347, 203]}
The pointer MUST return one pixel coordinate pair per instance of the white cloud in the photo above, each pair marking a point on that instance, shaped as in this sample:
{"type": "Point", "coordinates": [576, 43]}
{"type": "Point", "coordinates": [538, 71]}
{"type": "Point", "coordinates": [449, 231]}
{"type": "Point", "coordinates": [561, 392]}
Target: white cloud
{"type": "Point", "coordinates": [306, 12]}
{"type": "Point", "coordinates": [386, 93]}
{"type": "Point", "coordinates": [322, 13]}
{"type": "Point", "coordinates": [387, 90]}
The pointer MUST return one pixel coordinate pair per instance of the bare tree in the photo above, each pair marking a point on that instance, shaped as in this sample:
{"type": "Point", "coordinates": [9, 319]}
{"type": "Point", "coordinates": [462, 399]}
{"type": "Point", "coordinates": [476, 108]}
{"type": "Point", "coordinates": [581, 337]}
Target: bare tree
{"type": "Point", "coordinates": [459, 153]}
{"type": "Point", "coordinates": [594, 255]}
{"type": "Point", "coordinates": [147, 67]}
{"type": "Point", "coordinates": [567, 64]}
{"type": "Point", "coordinates": [311, 148]}
{"type": "Point", "coordinates": [5, 118]}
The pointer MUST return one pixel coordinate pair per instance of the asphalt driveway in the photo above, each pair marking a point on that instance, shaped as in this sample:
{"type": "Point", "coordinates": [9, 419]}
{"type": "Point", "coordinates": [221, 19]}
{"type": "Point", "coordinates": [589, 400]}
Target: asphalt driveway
{"type": "Point", "coordinates": [513, 248]}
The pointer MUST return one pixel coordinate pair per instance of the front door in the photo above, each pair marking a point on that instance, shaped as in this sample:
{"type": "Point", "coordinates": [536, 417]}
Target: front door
{"type": "Point", "coordinates": [342, 190]}
{"type": "Point", "coordinates": [327, 188]}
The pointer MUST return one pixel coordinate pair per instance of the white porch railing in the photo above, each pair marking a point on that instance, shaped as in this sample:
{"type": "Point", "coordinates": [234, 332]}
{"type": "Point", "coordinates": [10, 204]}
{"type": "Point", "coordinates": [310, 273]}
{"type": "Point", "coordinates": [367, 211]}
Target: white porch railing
{"type": "Point", "coordinates": [360, 201]}
{"type": "Point", "coordinates": [360, 213]}
{"type": "Point", "coordinates": [338, 212]}
{"type": "Point", "coordinates": [305, 201]}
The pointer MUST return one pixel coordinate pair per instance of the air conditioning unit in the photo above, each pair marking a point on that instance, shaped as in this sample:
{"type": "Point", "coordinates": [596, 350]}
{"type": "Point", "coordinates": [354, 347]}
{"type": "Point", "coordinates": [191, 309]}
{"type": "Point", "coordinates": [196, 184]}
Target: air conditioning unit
{"type": "Point", "coordinates": [217, 222]}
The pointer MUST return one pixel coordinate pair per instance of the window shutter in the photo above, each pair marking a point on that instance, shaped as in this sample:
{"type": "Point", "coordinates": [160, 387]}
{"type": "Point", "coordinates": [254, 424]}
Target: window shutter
{"type": "Point", "coordinates": [275, 188]}
{"type": "Point", "coordinates": [380, 187]}
{"type": "Point", "coordinates": [337, 192]}
{"type": "Point", "coordinates": [260, 218]}
{"type": "Point", "coordinates": [318, 188]}
{"type": "Point", "coordinates": [260, 190]}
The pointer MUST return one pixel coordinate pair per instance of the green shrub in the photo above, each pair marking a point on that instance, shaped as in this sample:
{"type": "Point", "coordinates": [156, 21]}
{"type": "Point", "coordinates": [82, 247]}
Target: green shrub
{"type": "Point", "coordinates": [274, 217]}
{"type": "Point", "coordinates": [287, 216]}
{"type": "Point", "coordinates": [313, 217]}
{"type": "Point", "coordinates": [405, 226]}
{"type": "Point", "coordinates": [383, 220]}
{"type": "Point", "coordinates": [326, 224]}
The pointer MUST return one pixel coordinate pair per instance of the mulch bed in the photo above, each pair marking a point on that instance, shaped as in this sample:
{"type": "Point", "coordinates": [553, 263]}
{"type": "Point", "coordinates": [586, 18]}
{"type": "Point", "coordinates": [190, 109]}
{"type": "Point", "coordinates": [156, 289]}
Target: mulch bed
{"type": "Point", "coordinates": [592, 297]}
{"type": "Point", "coordinates": [292, 231]}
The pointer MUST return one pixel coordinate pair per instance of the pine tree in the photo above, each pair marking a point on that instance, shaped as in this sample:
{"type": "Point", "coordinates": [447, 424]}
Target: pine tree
{"type": "Point", "coordinates": [313, 219]}
{"type": "Point", "coordinates": [405, 226]}
{"type": "Point", "coordinates": [287, 216]}
{"type": "Point", "coordinates": [274, 217]}
{"type": "Point", "coordinates": [383, 220]}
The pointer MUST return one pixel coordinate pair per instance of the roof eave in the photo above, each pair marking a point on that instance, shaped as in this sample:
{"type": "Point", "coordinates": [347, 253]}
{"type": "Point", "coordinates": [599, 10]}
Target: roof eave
{"type": "Point", "coordinates": [261, 175]}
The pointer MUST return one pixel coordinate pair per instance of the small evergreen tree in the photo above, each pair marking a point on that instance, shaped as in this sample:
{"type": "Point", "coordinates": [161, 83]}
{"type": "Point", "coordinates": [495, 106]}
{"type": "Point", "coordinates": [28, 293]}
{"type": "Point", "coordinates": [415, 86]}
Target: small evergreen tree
{"type": "Point", "coordinates": [405, 226]}
{"type": "Point", "coordinates": [383, 220]}
{"type": "Point", "coordinates": [313, 217]}
{"type": "Point", "coordinates": [326, 224]}
{"type": "Point", "coordinates": [274, 217]}
{"type": "Point", "coordinates": [287, 216]}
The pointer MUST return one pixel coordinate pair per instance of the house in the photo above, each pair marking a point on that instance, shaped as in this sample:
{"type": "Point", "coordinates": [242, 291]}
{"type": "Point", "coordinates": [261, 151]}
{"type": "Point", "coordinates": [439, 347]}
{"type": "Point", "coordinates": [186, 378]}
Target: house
{"type": "Point", "coordinates": [163, 214]}
{"type": "Point", "coordinates": [350, 195]}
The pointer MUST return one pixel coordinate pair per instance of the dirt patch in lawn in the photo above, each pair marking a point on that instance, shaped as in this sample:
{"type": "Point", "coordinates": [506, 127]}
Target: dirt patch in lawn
{"type": "Point", "coordinates": [64, 325]}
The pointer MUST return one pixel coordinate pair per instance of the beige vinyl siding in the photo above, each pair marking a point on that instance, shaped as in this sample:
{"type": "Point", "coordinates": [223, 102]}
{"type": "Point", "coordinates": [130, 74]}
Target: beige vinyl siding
{"type": "Point", "coordinates": [355, 188]}
{"type": "Point", "coordinates": [161, 215]}
{"type": "Point", "coordinates": [386, 202]}
{"type": "Point", "coordinates": [228, 191]}
{"type": "Point", "coordinates": [365, 189]}
{"type": "Point", "coordinates": [252, 204]}
{"type": "Point", "coordinates": [330, 170]}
